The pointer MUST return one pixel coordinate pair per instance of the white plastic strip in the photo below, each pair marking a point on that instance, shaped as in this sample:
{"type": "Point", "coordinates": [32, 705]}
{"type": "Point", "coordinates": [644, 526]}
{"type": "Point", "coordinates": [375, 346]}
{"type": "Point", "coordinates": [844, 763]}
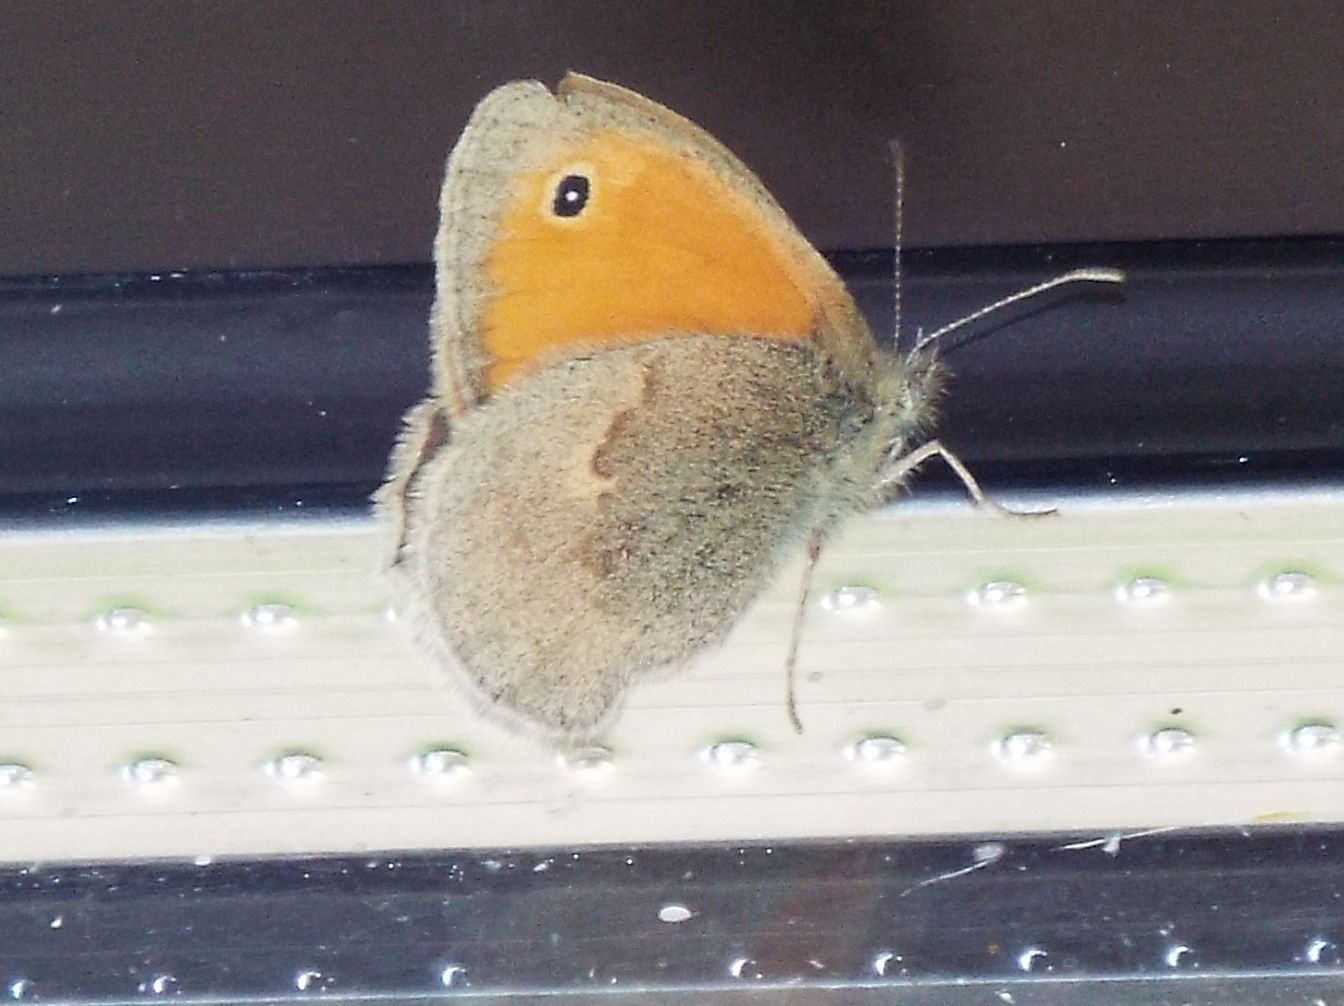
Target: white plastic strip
{"type": "Point", "coordinates": [231, 689]}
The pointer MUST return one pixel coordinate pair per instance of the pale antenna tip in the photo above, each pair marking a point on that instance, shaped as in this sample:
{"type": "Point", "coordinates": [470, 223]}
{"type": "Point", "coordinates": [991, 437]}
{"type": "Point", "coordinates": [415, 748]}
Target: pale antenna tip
{"type": "Point", "coordinates": [1094, 275]}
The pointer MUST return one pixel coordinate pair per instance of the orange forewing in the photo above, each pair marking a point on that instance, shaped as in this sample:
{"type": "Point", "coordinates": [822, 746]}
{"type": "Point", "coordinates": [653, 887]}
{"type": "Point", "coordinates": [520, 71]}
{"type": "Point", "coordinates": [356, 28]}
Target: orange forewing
{"type": "Point", "coordinates": [663, 248]}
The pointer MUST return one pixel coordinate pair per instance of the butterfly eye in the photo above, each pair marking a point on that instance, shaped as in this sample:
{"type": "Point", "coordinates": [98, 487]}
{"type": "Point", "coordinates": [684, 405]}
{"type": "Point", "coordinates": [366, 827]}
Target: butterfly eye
{"type": "Point", "coordinates": [571, 196]}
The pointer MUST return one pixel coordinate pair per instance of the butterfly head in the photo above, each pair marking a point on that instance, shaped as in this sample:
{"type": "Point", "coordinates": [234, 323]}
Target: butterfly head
{"type": "Point", "coordinates": [891, 409]}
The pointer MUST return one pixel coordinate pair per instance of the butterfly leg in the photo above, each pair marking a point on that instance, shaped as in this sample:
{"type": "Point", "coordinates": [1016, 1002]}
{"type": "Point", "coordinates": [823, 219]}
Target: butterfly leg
{"type": "Point", "coordinates": [796, 635]}
{"type": "Point", "coordinates": [906, 466]}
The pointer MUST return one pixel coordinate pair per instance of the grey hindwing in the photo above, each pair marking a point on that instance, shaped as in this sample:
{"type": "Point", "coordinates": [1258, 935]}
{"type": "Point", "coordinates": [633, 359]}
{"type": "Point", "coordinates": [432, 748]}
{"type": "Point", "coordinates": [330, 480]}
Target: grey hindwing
{"type": "Point", "coordinates": [614, 513]}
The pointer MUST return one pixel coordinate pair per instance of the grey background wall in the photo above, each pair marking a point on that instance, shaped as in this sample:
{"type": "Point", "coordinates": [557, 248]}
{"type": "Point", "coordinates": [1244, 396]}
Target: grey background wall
{"type": "Point", "coordinates": [224, 134]}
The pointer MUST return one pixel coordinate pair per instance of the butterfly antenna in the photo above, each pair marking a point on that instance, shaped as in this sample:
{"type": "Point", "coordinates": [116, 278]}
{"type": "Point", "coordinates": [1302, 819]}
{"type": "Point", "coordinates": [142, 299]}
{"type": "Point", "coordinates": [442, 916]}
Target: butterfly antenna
{"type": "Point", "coordinates": [1076, 276]}
{"type": "Point", "coordinates": [898, 167]}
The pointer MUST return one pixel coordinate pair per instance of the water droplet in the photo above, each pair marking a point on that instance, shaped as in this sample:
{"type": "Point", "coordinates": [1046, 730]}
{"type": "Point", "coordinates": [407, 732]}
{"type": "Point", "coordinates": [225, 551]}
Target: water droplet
{"type": "Point", "coordinates": [988, 852]}
{"type": "Point", "coordinates": [1178, 955]}
{"type": "Point", "coordinates": [1033, 959]}
{"type": "Point", "coordinates": [1322, 951]}
{"type": "Point", "coordinates": [439, 763]}
{"type": "Point", "coordinates": [19, 988]}
{"type": "Point", "coordinates": [1143, 589]}
{"type": "Point", "coordinates": [161, 985]}
{"type": "Point", "coordinates": [151, 771]}
{"type": "Point", "coordinates": [1169, 742]}
{"type": "Point", "coordinates": [997, 593]}
{"type": "Point", "coordinates": [851, 599]}
{"type": "Point", "coordinates": [270, 617]}
{"type": "Point", "coordinates": [1315, 739]}
{"type": "Point", "coordinates": [16, 776]}
{"type": "Point", "coordinates": [731, 755]}
{"type": "Point", "coordinates": [452, 976]}
{"type": "Point", "coordinates": [674, 912]}
{"type": "Point", "coordinates": [1287, 584]}
{"type": "Point", "coordinates": [877, 749]}
{"type": "Point", "coordinates": [311, 980]}
{"type": "Point", "coordinates": [57, 922]}
{"type": "Point", "coordinates": [1024, 747]}
{"type": "Point", "coordinates": [885, 962]}
{"type": "Point", "coordinates": [296, 766]}
{"type": "Point", "coordinates": [745, 968]}
{"type": "Point", "coordinates": [203, 860]}
{"type": "Point", "coordinates": [590, 762]}
{"type": "Point", "coordinates": [124, 622]}
{"type": "Point", "coordinates": [1005, 996]}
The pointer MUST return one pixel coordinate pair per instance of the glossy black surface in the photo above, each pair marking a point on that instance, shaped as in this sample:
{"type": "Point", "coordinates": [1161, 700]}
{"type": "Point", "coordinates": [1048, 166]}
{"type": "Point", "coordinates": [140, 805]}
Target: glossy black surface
{"type": "Point", "coordinates": [994, 913]}
{"type": "Point", "coordinates": [175, 391]}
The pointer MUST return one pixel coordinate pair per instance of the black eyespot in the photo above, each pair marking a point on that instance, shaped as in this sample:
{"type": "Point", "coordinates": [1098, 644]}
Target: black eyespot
{"type": "Point", "coordinates": [571, 196]}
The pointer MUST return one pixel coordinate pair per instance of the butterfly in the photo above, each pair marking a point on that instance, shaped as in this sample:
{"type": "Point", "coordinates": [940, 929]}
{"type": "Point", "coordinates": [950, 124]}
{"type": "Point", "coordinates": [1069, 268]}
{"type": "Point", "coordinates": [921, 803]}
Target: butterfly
{"type": "Point", "coordinates": [649, 390]}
